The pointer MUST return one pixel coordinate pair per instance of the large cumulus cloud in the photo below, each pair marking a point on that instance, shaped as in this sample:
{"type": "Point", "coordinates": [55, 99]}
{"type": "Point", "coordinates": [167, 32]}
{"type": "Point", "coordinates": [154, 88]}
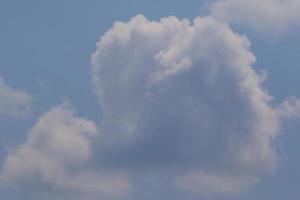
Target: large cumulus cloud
{"type": "Point", "coordinates": [184, 95]}
{"type": "Point", "coordinates": [180, 100]}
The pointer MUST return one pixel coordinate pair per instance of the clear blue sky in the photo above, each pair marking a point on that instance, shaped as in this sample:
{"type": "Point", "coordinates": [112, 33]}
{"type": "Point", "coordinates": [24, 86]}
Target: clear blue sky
{"type": "Point", "coordinates": [45, 49]}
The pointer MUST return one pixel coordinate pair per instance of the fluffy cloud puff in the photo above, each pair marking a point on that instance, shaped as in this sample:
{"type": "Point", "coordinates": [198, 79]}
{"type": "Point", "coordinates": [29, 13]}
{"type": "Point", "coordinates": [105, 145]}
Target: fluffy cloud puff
{"type": "Point", "coordinates": [268, 16]}
{"type": "Point", "coordinates": [13, 102]}
{"type": "Point", "coordinates": [184, 95]}
{"type": "Point", "coordinates": [55, 161]}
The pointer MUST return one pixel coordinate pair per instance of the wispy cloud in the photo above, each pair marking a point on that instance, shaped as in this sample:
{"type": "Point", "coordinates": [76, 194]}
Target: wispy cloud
{"type": "Point", "coordinates": [13, 102]}
{"type": "Point", "coordinates": [270, 17]}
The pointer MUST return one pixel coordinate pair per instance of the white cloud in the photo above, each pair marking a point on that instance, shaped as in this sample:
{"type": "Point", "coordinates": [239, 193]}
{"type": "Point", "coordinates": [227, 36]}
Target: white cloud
{"type": "Point", "coordinates": [13, 102]}
{"type": "Point", "coordinates": [184, 95]}
{"type": "Point", "coordinates": [178, 97]}
{"type": "Point", "coordinates": [57, 158]}
{"type": "Point", "coordinates": [270, 17]}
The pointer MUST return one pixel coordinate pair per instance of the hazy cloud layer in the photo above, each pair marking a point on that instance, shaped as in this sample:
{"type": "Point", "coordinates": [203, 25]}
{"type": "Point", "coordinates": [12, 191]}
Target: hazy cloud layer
{"type": "Point", "coordinates": [13, 102]}
{"type": "Point", "coordinates": [55, 161]}
{"type": "Point", "coordinates": [206, 183]}
{"type": "Point", "coordinates": [183, 95]}
{"type": "Point", "coordinates": [270, 17]}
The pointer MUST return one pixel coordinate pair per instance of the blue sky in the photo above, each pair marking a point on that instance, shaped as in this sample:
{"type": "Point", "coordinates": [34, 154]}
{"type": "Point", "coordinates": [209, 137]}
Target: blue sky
{"type": "Point", "coordinates": [46, 49]}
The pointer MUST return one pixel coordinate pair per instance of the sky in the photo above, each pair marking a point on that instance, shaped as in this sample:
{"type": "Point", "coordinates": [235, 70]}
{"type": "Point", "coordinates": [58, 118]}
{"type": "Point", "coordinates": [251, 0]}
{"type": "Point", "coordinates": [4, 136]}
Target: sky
{"type": "Point", "coordinates": [141, 99]}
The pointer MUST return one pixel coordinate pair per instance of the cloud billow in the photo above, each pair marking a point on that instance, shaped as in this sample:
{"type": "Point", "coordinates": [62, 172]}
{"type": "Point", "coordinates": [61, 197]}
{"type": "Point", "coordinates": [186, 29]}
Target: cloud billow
{"type": "Point", "coordinates": [55, 161]}
{"type": "Point", "coordinates": [185, 95]}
